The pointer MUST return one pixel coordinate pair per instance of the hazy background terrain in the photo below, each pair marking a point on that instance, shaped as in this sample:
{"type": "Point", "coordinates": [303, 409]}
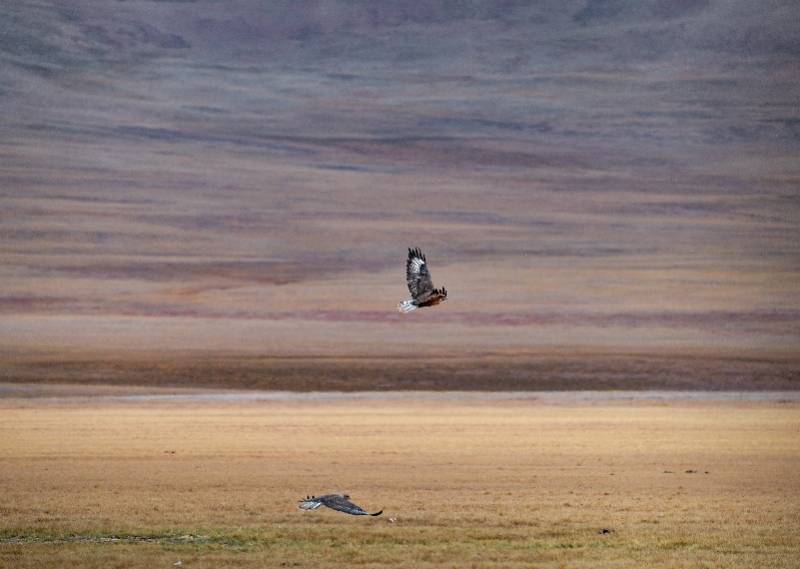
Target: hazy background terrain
{"type": "Point", "coordinates": [606, 189]}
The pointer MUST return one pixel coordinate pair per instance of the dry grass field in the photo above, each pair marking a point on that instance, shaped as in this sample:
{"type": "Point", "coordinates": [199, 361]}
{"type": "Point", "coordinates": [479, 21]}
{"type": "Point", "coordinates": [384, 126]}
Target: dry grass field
{"type": "Point", "coordinates": [201, 195]}
{"type": "Point", "coordinates": [470, 483]}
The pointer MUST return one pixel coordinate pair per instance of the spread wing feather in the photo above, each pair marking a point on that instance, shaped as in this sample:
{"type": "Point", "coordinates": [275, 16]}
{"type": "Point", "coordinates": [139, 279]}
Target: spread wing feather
{"type": "Point", "coordinates": [342, 504]}
{"type": "Point", "coordinates": [418, 277]}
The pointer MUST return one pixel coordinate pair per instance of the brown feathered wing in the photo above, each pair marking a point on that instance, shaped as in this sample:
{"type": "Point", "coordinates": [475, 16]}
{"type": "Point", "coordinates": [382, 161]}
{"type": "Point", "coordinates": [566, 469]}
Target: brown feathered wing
{"type": "Point", "coordinates": [420, 284]}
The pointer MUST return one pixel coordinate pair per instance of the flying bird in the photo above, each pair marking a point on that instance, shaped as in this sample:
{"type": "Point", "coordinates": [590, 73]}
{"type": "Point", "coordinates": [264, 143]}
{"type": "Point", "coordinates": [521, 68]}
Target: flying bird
{"type": "Point", "coordinates": [420, 284]}
{"type": "Point", "coordinates": [338, 502]}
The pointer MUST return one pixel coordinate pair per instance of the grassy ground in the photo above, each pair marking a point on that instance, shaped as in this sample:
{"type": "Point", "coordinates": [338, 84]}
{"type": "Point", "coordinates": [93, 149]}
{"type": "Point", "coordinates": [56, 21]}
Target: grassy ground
{"type": "Point", "coordinates": [468, 484]}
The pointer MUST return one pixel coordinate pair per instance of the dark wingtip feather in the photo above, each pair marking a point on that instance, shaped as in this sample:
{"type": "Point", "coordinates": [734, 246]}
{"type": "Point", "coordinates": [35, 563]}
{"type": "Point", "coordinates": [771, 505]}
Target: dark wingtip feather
{"type": "Point", "coordinates": [416, 253]}
{"type": "Point", "coordinates": [377, 513]}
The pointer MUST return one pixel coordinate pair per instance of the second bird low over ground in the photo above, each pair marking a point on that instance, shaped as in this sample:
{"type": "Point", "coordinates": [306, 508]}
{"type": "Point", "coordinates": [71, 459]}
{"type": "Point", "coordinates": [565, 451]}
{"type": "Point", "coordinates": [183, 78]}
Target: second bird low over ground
{"type": "Point", "coordinates": [338, 502]}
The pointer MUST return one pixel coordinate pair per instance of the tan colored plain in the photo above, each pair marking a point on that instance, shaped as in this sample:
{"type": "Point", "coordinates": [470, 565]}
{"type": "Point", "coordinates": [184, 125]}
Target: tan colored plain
{"type": "Point", "coordinates": [500, 484]}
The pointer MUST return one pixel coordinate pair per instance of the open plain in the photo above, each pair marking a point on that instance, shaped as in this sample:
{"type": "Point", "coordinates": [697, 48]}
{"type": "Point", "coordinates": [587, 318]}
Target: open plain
{"type": "Point", "coordinates": [201, 196]}
{"type": "Point", "coordinates": [112, 478]}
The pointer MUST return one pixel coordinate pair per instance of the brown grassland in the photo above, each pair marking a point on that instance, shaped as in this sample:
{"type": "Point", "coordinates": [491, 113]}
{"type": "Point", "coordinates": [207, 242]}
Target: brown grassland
{"type": "Point", "coordinates": [204, 195]}
{"type": "Point", "coordinates": [470, 483]}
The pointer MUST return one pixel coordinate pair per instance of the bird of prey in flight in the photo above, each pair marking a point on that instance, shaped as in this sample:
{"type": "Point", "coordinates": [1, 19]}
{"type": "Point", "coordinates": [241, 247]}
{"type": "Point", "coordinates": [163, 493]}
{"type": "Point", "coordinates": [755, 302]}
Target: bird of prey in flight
{"type": "Point", "coordinates": [420, 284]}
{"type": "Point", "coordinates": [338, 502]}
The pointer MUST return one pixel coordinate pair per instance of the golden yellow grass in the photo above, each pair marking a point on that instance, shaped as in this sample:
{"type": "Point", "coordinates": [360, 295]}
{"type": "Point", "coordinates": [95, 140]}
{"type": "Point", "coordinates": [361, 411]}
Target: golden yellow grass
{"type": "Point", "coordinates": [471, 484]}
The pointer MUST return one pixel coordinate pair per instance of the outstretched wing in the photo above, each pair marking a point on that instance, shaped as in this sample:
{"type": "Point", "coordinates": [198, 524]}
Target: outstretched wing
{"type": "Point", "coordinates": [342, 504]}
{"type": "Point", "coordinates": [417, 275]}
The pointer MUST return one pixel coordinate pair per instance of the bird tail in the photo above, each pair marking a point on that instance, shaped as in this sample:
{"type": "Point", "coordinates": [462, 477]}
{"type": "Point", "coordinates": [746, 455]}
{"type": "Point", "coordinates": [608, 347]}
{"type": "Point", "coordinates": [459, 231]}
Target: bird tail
{"type": "Point", "coordinates": [377, 513]}
{"type": "Point", "coordinates": [407, 306]}
{"type": "Point", "coordinates": [310, 503]}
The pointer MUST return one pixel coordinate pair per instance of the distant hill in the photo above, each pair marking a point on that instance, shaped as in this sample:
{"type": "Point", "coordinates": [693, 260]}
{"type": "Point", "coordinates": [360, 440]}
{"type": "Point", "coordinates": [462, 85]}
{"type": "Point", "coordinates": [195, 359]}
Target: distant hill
{"type": "Point", "coordinates": [605, 175]}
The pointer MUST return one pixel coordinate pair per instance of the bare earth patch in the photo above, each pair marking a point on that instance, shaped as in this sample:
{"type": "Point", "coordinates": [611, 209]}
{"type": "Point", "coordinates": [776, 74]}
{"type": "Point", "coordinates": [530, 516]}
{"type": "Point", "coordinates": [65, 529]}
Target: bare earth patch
{"type": "Point", "coordinates": [546, 370]}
